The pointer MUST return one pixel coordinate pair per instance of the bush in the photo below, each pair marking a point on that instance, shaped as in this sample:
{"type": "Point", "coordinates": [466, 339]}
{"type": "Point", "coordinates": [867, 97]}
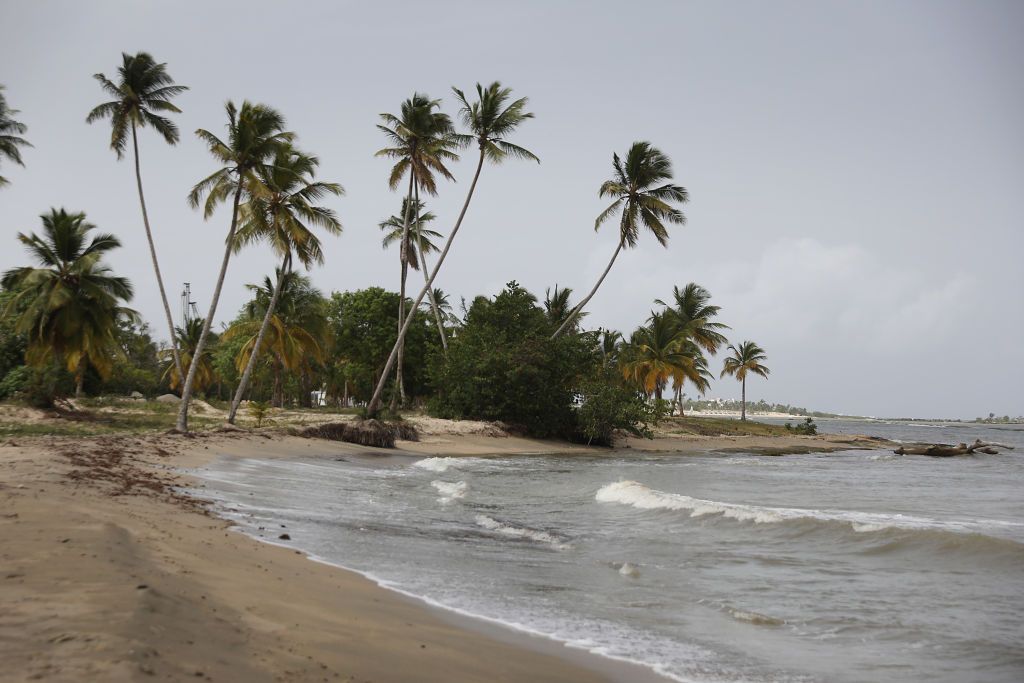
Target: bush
{"type": "Point", "coordinates": [807, 427]}
{"type": "Point", "coordinates": [608, 406]}
{"type": "Point", "coordinates": [503, 366]}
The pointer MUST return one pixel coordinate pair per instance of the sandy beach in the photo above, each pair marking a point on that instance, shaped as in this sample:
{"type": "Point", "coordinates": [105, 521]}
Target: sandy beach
{"type": "Point", "coordinates": [110, 573]}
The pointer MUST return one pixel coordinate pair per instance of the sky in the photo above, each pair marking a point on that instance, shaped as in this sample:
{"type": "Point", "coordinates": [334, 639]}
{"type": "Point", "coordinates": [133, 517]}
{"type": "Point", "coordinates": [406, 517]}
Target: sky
{"type": "Point", "coordinates": [855, 169]}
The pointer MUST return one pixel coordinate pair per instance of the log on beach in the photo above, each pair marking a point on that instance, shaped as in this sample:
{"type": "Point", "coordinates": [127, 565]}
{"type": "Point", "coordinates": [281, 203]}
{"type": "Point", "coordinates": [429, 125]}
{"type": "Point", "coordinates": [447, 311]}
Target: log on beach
{"type": "Point", "coordinates": [948, 451]}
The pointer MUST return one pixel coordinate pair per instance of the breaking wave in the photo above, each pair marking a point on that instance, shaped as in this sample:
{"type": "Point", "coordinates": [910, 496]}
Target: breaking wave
{"type": "Point", "coordinates": [435, 464]}
{"type": "Point", "coordinates": [524, 533]}
{"type": "Point", "coordinates": [639, 496]}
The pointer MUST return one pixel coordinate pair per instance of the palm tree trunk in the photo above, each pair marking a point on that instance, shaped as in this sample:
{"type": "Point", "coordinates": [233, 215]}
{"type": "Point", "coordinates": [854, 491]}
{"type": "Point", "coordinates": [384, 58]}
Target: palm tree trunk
{"type": "Point", "coordinates": [579, 307]}
{"type": "Point", "coordinates": [404, 258]}
{"type": "Point", "coordinates": [423, 268]}
{"type": "Point", "coordinates": [743, 400]}
{"type": "Point", "coordinates": [374, 405]}
{"type": "Point", "coordinates": [277, 394]}
{"type": "Point", "coordinates": [243, 383]}
{"type": "Point", "coordinates": [186, 391]}
{"type": "Point", "coordinates": [79, 382]}
{"type": "Point", "coordinates": [156, 264]}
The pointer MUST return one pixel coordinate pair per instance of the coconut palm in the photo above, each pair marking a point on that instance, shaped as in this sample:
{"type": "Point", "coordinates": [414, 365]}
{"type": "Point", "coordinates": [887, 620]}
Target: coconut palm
{"type": "Point", "coordinates": [556, 305]}
{"type": "Point", "coordinates": [415, 233]}
{"type": "Point", "coordinates": [747, 357]}
{"type": "Point", "coordinates": [281, 210]}
{"type": "Point", "coordinates": [255, 133]}
{"type": "Point", "coordinates": [695, 315]}
{"type": "Point", "coordinates": [291, 336]}
{"type": "Point", "coordinates": [642, 198]}
{"type": "Point", "coordinates": [144, 87]}
{"type": "Point", "coordinates": [659, 352]}
{"type": "Point", "coordinates": [491, 119]}
{"type": "Point", "coordinates": [70, 301]}
{"type": "Point", "coordinates": [188, 340]}
{"type": "Point", "coordinates": [10, 132]}
{"type": "Point", "coordinates": [422, 140]}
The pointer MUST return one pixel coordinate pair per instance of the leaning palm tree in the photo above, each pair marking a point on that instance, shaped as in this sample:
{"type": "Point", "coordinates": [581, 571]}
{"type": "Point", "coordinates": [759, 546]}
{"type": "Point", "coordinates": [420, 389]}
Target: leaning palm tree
{"type": "Point", "coordinates": [422, 140]}
{"type": "Point", "coordinates": [491, 119]}
{"type": "Point", "coordinates": [70, 301]}
{"type": "Point", "coordinates": [10, 135]}
{"type": "Point", "coordinates": [747, 357]}
{"type": "Point", "coordinates": [407, 232]}
{"type": "Point", "coordinates": [643, 195]}
{"type": "Point", "coordinates": [281, 210]}
{"type": "Point", "coordinates": [255, 133]}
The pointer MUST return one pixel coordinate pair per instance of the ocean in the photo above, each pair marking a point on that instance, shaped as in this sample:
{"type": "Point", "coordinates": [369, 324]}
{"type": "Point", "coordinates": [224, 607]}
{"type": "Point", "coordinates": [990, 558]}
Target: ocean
{"type": "Point", "coordinates": [848, 566]}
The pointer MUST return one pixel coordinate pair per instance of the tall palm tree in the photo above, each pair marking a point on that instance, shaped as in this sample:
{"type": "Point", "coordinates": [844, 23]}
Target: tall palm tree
{"type": "Point", "coordinates": [290, 338]}
{"type": "Point", "coordinates": [70, 300]}
{"type": "Point", "coordinates": [491, 119]}
{"type": "Point", "coordinates": [747, 357]}
{"type": "Point", "coordinates": [422, 140]}
{"type": "Point", "coordinates": [408, 233]}
{"type": "Point", "coordinates": [144, 87]}
{"type": "Point", "coordinates": [255, 133]}
{"type": "Point", "coordinates": [643, 195]}
{"type": "Point", "coordinates": [281, 210]}
{"type": "Point", "coordinates": [188, 340]}
{"type": "Point", "coordinates": [10, 132]}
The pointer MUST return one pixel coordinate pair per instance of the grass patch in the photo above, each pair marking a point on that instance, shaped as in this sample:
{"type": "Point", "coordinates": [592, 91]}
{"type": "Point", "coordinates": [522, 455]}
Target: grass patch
{"type": "Point", "coordinates": [718, 426]}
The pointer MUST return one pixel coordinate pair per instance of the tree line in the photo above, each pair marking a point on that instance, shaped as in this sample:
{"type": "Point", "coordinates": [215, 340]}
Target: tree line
{"type": "Point", "coordinates": [509, 357]}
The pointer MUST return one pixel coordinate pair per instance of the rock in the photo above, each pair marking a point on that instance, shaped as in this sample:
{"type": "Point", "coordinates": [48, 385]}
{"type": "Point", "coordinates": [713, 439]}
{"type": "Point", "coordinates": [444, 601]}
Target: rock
{"type": "Point", "coordinates": [285, 537]}
{"type": "Point", "coordinates": [168, 398]}
{"type": "Point", "coordinates": [136, 396]}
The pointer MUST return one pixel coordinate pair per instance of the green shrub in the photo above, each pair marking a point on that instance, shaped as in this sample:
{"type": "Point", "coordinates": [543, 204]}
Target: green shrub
{"type": "Point", "coordinates": [807, 427]}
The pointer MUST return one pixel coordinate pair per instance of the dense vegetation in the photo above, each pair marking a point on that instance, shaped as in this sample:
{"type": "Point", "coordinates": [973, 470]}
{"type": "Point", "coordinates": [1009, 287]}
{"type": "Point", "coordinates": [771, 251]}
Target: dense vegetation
{"type": "Point", "coordinates": [532, 364]}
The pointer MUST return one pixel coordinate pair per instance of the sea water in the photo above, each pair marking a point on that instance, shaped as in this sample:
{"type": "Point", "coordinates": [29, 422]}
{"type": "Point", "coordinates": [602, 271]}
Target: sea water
{"type": "Point", "coordinates": [849, 566]}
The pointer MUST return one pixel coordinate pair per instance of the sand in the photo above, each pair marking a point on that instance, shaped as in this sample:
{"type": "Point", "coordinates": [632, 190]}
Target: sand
{"type": "Point", "coordinates": [107, 573]}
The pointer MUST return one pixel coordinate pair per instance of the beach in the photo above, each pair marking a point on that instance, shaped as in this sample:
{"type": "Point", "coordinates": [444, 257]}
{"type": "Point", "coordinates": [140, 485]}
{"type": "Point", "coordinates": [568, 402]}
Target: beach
{"type": "Point", "coordinates": [111, 573]}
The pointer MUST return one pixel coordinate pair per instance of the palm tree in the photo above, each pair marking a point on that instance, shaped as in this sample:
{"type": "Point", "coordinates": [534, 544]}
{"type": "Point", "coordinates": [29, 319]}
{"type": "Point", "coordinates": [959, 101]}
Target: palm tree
{"type": "Point", "coordinates": [70, 301]}
{"type": "Point", "coordinates": [255, 133]}
{"type": "Point", "coordinates": [396, 229]}
{"type": "Point", "coordinates": [280, 209]}
{"type": "Point", "coordinates": [10, 130]}
{"type": "Point", "coordinates": [491, 119]}
{"type": "Point", "coordinates": [188, 340]}
{"type": "Point", "coordinates": [695, 316]}
{"type": "Point", "coordinates": [291, 336]}
{"type": "Point", "coordinates": [143, 88]}
{"type": "Point", "coordinates": [422, 140]}
{"type": "Point", "coordinates": [643, 196]}
{"type": "Point", "coordinates": [747, 357]}
{"type": "Point", "coordinates": [659, 352]}
{"type": "Point", "coordinates": [556, 305]}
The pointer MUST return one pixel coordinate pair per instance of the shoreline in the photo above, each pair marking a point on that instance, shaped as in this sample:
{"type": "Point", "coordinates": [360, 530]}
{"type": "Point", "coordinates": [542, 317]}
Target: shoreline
{"type": "Point", "coordinates": [112, 571]}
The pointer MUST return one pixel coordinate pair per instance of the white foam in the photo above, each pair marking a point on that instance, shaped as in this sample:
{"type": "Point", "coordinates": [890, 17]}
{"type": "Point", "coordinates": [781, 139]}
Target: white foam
{"type": "Point", "coordinates": [629, 570]}
{"type": "Point", "coordinates": [639, 496]}
{"type": "Point", "coordinates": [435, 464]}
{"type": "Point", "coordinates": [504, 529]}
{"type": "Point", "coordinates": [450, 490]}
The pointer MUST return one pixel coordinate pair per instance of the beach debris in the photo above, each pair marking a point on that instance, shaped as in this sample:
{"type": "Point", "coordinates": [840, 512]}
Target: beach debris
{"type": "Point", "coordinates": [375, 433]}
{"type": "Point", "coordinates": [947, 450]}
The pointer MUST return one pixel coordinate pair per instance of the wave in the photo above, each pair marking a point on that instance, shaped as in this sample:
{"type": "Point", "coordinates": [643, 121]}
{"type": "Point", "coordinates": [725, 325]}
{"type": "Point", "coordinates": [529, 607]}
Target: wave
{"type": "Point", "coordinates": [450, 491]}
{"type": "Point", "coordinates": [524, 533]}
{"type": "Point", "coordinates": [639, 496]}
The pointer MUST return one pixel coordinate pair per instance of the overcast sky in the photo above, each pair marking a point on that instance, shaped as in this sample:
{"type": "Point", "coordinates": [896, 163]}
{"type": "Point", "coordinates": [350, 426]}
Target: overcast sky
{"type": "Point", "coordinates": [856, 169]}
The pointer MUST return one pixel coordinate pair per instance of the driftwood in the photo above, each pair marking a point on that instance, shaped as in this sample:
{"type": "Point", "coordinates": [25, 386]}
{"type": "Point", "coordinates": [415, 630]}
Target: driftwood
{"type": "Point", "coordinates": [947, 451]}
{"type": "Point", "coordinates": [363, 432]}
